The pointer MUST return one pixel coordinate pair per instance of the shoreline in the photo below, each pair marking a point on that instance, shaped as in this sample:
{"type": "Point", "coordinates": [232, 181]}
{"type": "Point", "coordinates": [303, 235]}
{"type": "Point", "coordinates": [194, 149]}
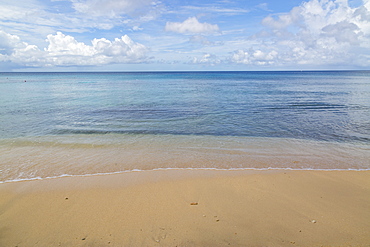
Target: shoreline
{"type": "Point", "coordinates": [189, 207]}
{"type": "Point", "coordinates": [59, 156]}
{"type": "Point", "coordinates": [252, 169]}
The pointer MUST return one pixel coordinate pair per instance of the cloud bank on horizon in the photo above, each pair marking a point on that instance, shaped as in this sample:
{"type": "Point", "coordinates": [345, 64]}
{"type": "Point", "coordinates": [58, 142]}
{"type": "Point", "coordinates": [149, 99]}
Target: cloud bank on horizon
{"type": "Point", "coordinates": [52, 35]}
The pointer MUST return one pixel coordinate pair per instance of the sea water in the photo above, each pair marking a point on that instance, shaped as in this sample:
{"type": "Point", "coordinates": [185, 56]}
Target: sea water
{"type": "Point", "coordinates": [58, 124]}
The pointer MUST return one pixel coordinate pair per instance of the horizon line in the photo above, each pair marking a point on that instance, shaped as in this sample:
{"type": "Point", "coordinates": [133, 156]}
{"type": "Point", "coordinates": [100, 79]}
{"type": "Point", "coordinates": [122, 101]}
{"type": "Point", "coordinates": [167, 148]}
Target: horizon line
{"type": "Point", "coordinates": [190, 71]}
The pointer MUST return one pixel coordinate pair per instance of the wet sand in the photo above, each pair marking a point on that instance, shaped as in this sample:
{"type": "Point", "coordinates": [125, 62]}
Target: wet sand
{"type": "Point", "coordinates": [55, 156]}
{"type": "Point", "coordinates": [189, 208]}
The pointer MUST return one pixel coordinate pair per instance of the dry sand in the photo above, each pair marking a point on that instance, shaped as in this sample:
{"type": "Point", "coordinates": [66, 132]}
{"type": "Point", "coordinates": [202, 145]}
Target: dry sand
{"type": "Point", "coordinates": [189, 208]}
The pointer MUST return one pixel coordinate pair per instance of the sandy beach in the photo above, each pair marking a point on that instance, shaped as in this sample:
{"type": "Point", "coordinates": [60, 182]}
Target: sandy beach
{"type": "Point", "coordinates": [189, 208]}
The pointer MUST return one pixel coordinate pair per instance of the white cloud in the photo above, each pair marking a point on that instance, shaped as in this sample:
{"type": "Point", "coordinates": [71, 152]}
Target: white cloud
{"type": "Point", "coordinates": [318, 32]}
{"type": "Point", "coordinates": [25, 17]}
{"type": "Point", "coordinates": [283, 21]}
{"type": "Point", "coordinates": [102, 51]}
{"type": "Point", "coordinates": [110, 7]}
{"type": "Point", "coordinates": [327, 33]}
{"type": "Point", "coordinates": [13, 50]}
{"type": "Point", "coordinates": [263, 6]}
{"type": "Point", "coordinates": [212, 8]}
{"type": "Point", "coordinates": [64, 50]}
{"type": "Point", "coordinates": [137, 28]}
{"type": "Point", "coordinates": [206, 59]}
{"type": "Point", "coordinates": [61, 44]}
{"type": "Point", "coordinates": [191, 25]}
{"type": "Point", "coordinates": [255, 57]}
{"type": "Point", "coordinates": [32, 20]}
{"type": "Point", "coordinates": [200, 39]}
{"type": "Point", "coordinates": [8, 43]}
{"type": "Point", "coordinates": [343, 31]}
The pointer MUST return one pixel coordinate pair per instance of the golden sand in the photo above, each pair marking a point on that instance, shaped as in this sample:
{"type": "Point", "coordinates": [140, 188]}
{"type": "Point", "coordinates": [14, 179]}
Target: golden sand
{"type": "Point", "coordinates": [189, 208]}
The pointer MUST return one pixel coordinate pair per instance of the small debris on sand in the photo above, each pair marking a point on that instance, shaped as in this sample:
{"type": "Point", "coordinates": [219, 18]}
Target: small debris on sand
{"type": "Point", "coordinates": [194, 203]}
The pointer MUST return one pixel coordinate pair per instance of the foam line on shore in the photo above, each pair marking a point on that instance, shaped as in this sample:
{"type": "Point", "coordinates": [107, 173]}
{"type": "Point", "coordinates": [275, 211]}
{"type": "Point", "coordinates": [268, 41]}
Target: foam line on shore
{"type": "Point", "coordinates": [185, 169]}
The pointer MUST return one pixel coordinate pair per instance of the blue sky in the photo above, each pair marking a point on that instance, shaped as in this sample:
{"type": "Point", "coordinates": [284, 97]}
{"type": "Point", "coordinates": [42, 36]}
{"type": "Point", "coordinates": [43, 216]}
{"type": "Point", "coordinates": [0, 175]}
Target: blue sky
{"type": "Point", "coordinates": [147, 35]}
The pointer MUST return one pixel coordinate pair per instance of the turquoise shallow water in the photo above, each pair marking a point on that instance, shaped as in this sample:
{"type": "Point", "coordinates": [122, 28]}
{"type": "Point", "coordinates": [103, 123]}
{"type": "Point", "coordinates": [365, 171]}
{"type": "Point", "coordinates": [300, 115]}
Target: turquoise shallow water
{"type": "Point", "coordinates": [215, 119]}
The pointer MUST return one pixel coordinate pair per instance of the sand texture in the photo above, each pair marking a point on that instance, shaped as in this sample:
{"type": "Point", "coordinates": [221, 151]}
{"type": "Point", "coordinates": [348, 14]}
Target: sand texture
{"type": "Point", "coordinates": [189, 208]}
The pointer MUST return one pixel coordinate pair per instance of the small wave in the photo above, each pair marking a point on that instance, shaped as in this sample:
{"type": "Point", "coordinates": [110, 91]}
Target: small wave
{"type": "Point", "coordinates": [309, 106]}
{"type": "Point", "coordinates": [179, 169]}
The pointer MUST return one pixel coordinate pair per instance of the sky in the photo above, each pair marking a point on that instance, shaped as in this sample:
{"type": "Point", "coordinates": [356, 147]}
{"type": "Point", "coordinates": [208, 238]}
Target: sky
{"type": "Point", "coordinates": [174, 35]}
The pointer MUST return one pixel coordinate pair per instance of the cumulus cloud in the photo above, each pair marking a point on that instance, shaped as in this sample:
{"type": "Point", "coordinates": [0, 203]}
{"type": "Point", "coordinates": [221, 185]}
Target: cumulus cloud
{"type": "Point", "coordinates": [12, 49]}
{"type": "Point", "coordinates": [206, 59]}
{"type": "Point", "coordinates": [61, 44]}
{"type": "Point", "coordinates": [343, 31]}
{"type": "Point", "coordinates": [64, 50]}
{"type": "Point", "coordinates": [255, 57]}
{"type": "Point", "coordinates": [8, 43]}
{"type": "Point", "coordinates": [317, 32]}
{"type": "Point", "coordinates": [191, 25]}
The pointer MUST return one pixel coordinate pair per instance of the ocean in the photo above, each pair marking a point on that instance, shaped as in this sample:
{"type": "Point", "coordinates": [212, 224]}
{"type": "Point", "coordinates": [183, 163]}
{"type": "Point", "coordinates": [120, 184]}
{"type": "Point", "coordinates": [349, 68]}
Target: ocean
{"type": "Point", "coordinates": [75, 124]}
